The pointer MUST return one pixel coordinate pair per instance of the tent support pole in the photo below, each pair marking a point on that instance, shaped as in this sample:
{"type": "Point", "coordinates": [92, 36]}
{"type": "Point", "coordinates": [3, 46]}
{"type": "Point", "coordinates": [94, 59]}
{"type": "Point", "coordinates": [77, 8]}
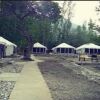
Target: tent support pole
{"type": "Point", "coordinates": [45, 50]}
{"type": "Point", "coordinates": [65, 50]}
{"type": "Point", "coordinates": [68, 51]}
{"type": "Point", "coordinates": [36, 50]}
{"type": "Point", "coordinates": [89, 51]}
{"type": "Point", "coordinates": [60, 50]}
{"type": "Point", "coordinates": [39, 50]}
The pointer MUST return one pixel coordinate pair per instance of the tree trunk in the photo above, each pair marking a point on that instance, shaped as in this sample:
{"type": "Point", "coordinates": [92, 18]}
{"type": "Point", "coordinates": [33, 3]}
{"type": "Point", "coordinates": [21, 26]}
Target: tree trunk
{"type": "Point", "coordinates": [28, 49]}
{"type": "Point", "coordinates": [24, 32]}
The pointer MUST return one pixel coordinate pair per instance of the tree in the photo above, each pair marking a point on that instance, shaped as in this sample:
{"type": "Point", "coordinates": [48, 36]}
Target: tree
{"type": "Point", "coordinates": [24, 10]}
{"type": "Point", "coordinates": [98, 10]}
{"type": "Point", "coordinates": [46, 27]}
{"type": "Point", "coordinates": [91, 25]}
{"type": "Point", "coordinates": [64, 24]}
{"type": "Point", "coordinates": [80, 35]}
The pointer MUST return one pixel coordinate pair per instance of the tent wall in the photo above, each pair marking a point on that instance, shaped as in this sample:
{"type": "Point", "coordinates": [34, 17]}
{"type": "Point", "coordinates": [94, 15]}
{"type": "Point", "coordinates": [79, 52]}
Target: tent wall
{"type": "Point", "coordinates": [89, 51]}
{"type": "Point", "coordinates": [39, 50]}
{"type": "Point", "coordinates": [64, 50]}
{"type": "Point", "coordinates": [9, 50]}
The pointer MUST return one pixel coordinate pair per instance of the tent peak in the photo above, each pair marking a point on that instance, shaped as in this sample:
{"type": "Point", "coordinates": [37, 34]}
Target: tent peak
{"type": "Point", "coordinates": [38, 45]}
{"type": "Point", "coordinates": [64, 45]}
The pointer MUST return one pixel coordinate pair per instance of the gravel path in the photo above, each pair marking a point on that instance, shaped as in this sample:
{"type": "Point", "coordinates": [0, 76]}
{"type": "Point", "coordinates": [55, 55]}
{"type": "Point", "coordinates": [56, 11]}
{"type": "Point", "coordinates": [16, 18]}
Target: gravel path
{"type": "Point", "coordinates": [5, 89]}
{"type": "Point", "coordinates": [65, 84]}
{"type": "Point", "coordinates": [10, 65]}
{"type": "Point", "coordinates": [11, 68]}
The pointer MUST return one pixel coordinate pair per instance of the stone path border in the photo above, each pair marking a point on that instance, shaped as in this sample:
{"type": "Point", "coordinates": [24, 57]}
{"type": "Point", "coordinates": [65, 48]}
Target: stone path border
{"type": "Point", "coordinates": [9, 76]}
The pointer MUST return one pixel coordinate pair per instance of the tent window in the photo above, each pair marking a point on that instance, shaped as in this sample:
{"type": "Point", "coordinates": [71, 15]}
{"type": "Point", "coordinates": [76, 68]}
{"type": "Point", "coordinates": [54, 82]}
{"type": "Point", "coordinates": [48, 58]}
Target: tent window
{"type": "Point", "coordinates": [95, 50]}
{"type": "Point", "coordinates": [87, 50]}
{"type": "Point", "coordinates": [70, 50]}
{"type": "Point", "coordinates": [66, 51]}
{"type": "Point", "coordinates": [34, 49]}
{"type": "Point", "coordinates": [98, 51]}
{"type": "Point", "coordinates": [62, 50]}
{"type": "Point", "coordinates": [41, 49]}
{"type": "Point", "coordinates": [58, 50]}
{"type": "Point", "coordinates": [37, 49]}
{"type": "Point", "coordinates": [91, 51]}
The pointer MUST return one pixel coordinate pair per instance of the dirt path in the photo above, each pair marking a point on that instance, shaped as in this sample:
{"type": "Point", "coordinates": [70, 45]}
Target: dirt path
{"type": "Point", "coordinates": [65, 84]}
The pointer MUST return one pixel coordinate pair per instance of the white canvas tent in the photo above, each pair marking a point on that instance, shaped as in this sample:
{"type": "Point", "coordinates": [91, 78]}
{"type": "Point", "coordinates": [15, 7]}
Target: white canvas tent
{"type": "Point", "coordinates": [64, 48]}
{"type": "Point", "coordinates": [88, 48]}
{"type": "Point", "coordinates": [39, 48]}
{"type": "Point", "coordinates": [9, 50]}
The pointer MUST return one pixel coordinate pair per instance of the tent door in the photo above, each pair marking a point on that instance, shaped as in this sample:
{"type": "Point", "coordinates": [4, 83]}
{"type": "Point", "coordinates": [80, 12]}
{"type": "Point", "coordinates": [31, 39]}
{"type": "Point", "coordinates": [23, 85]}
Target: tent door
{"type": "Point", "coordinates": [2, 51]}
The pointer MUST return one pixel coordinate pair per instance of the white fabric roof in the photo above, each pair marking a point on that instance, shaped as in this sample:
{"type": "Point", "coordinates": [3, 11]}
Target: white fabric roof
{"type": "Point", "coordinates": [38, 45]}
{"type": "Point", "coordinates": [64, 45]}
{"type": "Point", "coordinates": [2, 43]}
{"type": "Point", "coordinates": [89, 45]}
{"type": "Point", "coordinates": [53, 48]}
{"type": "Point", "coordinates": [6, 42]}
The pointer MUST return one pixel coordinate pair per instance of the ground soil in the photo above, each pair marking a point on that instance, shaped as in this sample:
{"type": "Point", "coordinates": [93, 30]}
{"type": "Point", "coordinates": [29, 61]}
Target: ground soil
{"type": "Point", "coordinates": [65, 81]}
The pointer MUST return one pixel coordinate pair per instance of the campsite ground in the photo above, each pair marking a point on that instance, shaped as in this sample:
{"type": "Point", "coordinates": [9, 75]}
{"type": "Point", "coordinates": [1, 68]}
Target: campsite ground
{"type": "Point", "coordinates": [65, 79]}
{"type": "Point", "coordinates": [10, 68]}
{"type": "Point", "coordinates": [69, 81]}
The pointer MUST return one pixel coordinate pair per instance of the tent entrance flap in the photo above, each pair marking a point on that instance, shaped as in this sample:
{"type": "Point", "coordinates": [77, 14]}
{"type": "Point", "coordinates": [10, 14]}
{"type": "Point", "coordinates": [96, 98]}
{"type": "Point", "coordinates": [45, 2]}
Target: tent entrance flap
{"type": "Point", "coordinates": [2, 51]}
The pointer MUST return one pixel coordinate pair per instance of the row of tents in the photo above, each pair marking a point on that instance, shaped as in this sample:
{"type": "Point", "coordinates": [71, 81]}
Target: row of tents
{"type": "Point", "coordinates": [65, 48]}
{"type": "Point", "coordinates": [8, 48]}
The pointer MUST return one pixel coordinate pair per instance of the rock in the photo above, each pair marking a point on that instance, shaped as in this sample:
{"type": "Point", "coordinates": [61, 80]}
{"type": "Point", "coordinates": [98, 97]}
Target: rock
{"type": "Point", "coordinates": [5, 89]}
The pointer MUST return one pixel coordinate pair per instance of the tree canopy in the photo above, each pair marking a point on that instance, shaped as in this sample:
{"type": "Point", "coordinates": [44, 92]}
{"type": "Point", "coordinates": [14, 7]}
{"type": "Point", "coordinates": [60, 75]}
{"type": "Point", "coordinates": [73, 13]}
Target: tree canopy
{"type": "Point", "coordinates": [27, 22]}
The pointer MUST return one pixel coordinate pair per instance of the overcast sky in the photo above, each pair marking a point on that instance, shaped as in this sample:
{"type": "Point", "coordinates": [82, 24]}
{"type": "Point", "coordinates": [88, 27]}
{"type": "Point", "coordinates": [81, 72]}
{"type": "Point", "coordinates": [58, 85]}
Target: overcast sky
{"type": "Point", "coordinates": [83, 11]}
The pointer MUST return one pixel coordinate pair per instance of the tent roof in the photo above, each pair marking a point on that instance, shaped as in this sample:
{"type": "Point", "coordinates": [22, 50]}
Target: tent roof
{"type": "Point", "coordinates": [89, 45]}
{"type": "Point", "coordinates": [53, 48]}
{"type": "Point", "coordinates": [38, 45]}
{"type": "Point", "coordinates": [2, 43]}
{"type": "Point", "coordinates": [64, 45]}
{"type": "Point", "coordinates": [6, 42]}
